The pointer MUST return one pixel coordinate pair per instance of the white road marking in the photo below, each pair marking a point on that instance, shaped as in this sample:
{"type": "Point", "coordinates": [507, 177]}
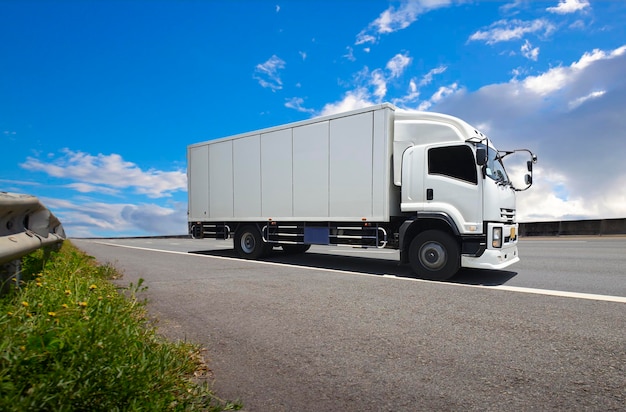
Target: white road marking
{"type": "Point", "coordinates": [590, 296]}
{"type": "Point", "coordinates": [547, 292]}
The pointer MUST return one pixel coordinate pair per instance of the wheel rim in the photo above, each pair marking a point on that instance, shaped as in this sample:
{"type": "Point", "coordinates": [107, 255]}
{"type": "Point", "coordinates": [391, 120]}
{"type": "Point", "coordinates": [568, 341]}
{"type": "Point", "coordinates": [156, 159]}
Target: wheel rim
{"type": "Point", "coordinates": [433, 256]}
{"type": "Point", "coordinates": [248, 243]}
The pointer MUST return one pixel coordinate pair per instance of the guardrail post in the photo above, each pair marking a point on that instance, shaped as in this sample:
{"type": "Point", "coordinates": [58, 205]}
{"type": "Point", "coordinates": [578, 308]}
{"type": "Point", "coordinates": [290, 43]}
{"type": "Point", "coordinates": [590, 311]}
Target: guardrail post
{"type": "Point", "coordinates": [10, 275]}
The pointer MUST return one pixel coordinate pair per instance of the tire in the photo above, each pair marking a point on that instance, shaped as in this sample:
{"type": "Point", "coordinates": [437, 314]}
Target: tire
{"type": "Point", "coordinates": [249, 244]}
{"type": "Point", "coordinates": [434, 255]}
{"type": "Point", "coordinates": [295, 249]}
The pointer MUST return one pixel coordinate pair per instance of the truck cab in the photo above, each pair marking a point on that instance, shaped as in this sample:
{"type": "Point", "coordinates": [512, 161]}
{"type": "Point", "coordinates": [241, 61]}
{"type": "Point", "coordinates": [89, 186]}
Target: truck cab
{"type": "Point", "coordinates": [453, 180]}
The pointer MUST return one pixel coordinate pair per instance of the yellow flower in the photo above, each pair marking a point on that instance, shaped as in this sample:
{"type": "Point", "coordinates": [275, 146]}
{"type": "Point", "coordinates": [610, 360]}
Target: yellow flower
{"type": "Point", "coordinates": [64, 306]}
{"type": "Point", "coordinates": [68, 292]}
{"type": "Point", "coordinates": [52, 314]}
{"type": "Point", "coordinates": [10, 313]}
{"type": "Point", "coordinates": [82, 304]}
{"type": "Point", "coordinates": [92, 287]}
{"type": "Point", "coordinates": [39, 284]}
{"type": "Point", "coordinates": [22, 348]}
{"type": "Point", "coordinates": [25, 304]}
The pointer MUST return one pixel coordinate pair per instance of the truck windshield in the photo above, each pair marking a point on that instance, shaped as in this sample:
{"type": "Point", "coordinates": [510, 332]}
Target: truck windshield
{"type": "Point", "coordinates": [494, 168]}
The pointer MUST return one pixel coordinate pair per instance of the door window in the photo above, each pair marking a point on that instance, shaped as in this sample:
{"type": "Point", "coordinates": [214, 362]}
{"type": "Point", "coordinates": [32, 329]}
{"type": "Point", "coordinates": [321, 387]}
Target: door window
{"type": "Point", "coordinates": [453, 161]}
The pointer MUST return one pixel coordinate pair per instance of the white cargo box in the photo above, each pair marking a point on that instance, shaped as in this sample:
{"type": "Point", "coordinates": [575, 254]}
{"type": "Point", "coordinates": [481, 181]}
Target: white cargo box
{"type": "Point", "coordinates": [333, 168]}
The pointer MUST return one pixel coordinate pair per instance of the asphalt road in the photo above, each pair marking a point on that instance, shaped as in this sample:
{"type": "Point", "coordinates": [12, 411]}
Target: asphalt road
{"type": "Point", "coordinates": [350, 330]}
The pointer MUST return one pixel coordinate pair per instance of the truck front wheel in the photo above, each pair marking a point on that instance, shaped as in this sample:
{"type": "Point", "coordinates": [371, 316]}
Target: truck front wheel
{"type": "Point", "coordinates": [434, 255]}
{"type": "Point", "coordinates": [249, 243]}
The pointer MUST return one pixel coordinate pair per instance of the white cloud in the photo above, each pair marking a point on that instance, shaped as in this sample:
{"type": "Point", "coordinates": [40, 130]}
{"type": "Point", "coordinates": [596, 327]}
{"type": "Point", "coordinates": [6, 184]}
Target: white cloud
{"type": "Point", "coordinates": [569, 6]}
{"type": "Point", "coordinates": [548, 82]}
{"type": "Point", "coordinates": [597, 54]}
{"type": "Point", "coordinates": [414, 90]}
{"type": "Point", "coordinates": [392, 19]}
{"type": "Point", "coordinates": [267, 74]}
{"type": "Point", "coordinates": [398, 64]}
{"type": "Point", "coordinates": [89, 218]}
{"type": "Point", "coordinates": [108, 171]}
{"type": "Point", "coordinates": [578, 25]}
{"type": "Point", "coordinates": [350, 54]}
{"type": "Point", "coordinates": [303, 55]}
{"type": "Point", "coordinates": [560, 77]}
{"type": "Point", "coordinates": [529, 52]}
{"type": "Point", "coordinates": [19, 182]}
{"type": "Point", "coordinates": [507, 30]}
{"type": "Point", "coordinates": [544, 202]}
{"type": "Point", "coordinates": [441, 93]}
{"type": "Point", "coordinates": [157, 219]}
{"type": "Point", "coordinates": [372, 86]}
{"type": "Point", "coordinates": [428, 77]}
{"type": "Point", "coordinates": [297, 103]}
{"type": "Point", "coordinates": [510, 7]}
{"type": "Point", "coordinates": [394, 68]}
{"type": "Point", "coordinates": [579, 101]}
{"type": "Point", "coordinates": [89, 188]}
{"type": "Point", "coordinates": [380, 84]}
{"type": "Point", "coordinates": [412, 95]}
{"type": "Point", "coordinates": [355, 99]}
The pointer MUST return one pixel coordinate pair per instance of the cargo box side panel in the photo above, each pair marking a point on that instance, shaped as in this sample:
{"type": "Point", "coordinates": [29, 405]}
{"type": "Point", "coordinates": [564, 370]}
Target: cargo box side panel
{"type": "Point", "coordinates": [221, 180]}
{"type": "Point", "coordinates": [351, 167]}
{"type": "Point", "coordinates": [276, 174]}
{"type": "Point", "coordinates": [310, 171]}
{"type": "Point", "coordinates": [247, 177]}
{"type": "Point", "coordinates": [198, 176]}
{"type": "Point", "coordinates": [386, 196]}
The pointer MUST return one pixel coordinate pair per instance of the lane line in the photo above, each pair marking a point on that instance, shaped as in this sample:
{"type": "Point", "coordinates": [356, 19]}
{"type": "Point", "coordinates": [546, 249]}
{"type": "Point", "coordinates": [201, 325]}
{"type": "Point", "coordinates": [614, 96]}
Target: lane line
{"type": "Point", "coordinates": [517, 289]}
{"type": "Point", "coordinates": [577, 295]}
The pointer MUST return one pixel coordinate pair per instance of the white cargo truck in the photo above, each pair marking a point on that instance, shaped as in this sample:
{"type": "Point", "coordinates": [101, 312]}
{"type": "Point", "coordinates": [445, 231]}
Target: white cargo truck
{"type": "Point", "coordinates": [428, 184]}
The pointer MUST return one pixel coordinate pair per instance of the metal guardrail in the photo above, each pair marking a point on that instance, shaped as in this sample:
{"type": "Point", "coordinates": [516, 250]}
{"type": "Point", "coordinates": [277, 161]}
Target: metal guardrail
{"type": "Point", "coordinates": [25, 226]}
{"type": "Point", "coordinates": [589, 227]}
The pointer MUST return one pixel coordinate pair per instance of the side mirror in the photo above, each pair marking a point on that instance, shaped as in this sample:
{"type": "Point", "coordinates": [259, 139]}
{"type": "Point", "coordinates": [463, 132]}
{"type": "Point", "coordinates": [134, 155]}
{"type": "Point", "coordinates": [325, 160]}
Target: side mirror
{"type": "Point", "coordinates": [529, 180]}
{"type": "Point", "coordinates": [481, 156]}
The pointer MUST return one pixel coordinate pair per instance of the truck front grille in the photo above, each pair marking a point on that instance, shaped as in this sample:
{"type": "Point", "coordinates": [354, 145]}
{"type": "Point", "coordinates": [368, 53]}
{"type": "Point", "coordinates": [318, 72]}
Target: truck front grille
{"type": "Point", "coordinates": [507, 214]}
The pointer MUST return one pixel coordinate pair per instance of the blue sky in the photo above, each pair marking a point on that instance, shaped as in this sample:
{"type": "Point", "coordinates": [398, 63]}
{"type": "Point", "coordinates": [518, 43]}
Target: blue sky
{"type": "Point", "coordinates": [99, 99]}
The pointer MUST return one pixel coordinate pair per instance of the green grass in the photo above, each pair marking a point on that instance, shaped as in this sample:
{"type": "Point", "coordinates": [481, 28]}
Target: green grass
{"type": "Point", "coordinates": [72, 340]}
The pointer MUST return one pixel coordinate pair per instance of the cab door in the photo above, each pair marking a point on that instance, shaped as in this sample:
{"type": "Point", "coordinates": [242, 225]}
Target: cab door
{"type": "Point", "coordinates": [453, 185]}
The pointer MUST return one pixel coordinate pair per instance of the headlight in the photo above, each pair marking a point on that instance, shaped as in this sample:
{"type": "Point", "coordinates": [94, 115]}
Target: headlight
{"type": "Point", "coordinates": [496, 238]}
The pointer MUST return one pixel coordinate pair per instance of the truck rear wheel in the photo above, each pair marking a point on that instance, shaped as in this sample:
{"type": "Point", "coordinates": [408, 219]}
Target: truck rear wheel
{"type": "Point", "coordinates": [434, 255]}
{"type": "Point", "coordinates": [249, 244]}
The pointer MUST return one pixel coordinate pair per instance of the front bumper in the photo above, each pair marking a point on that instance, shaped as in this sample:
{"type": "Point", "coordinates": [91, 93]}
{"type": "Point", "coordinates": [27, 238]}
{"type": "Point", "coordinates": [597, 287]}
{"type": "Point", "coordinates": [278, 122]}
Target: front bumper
{"type": "Point", "coordinates": [496, 258]}
{"type": "Point", "coordinates": [492, 259]}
